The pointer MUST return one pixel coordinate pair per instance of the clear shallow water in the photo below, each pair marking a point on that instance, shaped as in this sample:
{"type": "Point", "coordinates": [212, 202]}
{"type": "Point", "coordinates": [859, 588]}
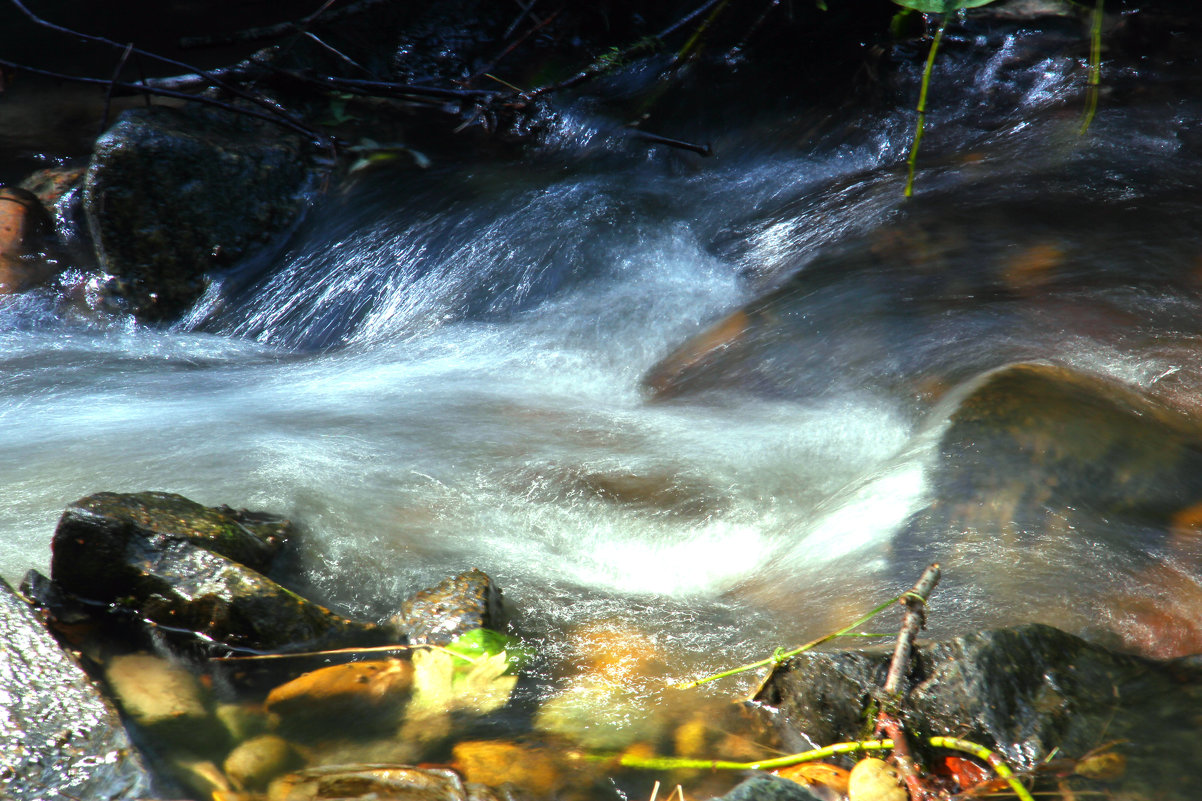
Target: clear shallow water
{"type": "Point", "coordinates": [443, 369]}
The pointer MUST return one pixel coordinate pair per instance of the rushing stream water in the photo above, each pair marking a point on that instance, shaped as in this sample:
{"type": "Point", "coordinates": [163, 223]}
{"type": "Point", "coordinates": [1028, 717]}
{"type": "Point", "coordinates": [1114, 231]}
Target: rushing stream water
{"type": "Point", "coordinates": [444, 369]}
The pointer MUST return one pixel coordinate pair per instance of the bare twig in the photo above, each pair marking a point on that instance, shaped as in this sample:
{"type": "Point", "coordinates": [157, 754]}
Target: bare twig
{"type": "Point", "coordinates": [108, 95]}
{"type": "Point", "coordinates": [283, 117]}
{"type": "Point", "coordinates": [913, 620]}
{"type": "Point", "coordinates": [656, 139]}
{"type": "Point", "coordinates": [162, 92]}
{"type": "Point", "coordinates": [887, 722]}
{"type": "Point", "coordinates": [513, 45]}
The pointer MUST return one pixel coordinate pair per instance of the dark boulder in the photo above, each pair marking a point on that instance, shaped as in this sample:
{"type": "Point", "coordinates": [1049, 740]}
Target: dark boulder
{"type": "Point", "coordinates": [1029, 693]}
{"type": "Point", "coordinates": [185, 567]}
{"type": "Point", "coordinates": [58, 736]}
{"type": "Point", "coordinates": [450, 609]}
{"type": "Point", "coordinates": [173, 195]}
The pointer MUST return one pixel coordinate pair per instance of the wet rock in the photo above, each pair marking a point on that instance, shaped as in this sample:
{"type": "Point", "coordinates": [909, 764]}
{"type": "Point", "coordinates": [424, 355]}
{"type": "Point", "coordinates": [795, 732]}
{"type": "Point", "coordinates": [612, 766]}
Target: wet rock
{"type": "Point", "coordinates": [110, 522]}
{"type": "Point", "coordinates": [50, 184]}
{"type": "Point", "coordinates": [172, 195]}
{"type": "Point", "coordinates": [242, 721]}
{"type": "Point", "coordinates": [363, 697]}
{"type": "Point", "coordinates": [172, 563]}
{"type": "Point", "coordinates": [395, 782]}
{"type": "Point", "coordinates": [197, 775]}
{"type": "Point", "coordinates": [59, 737]}
{"type": "Point", "coordinates": [24, 231]}
{"type": "Point", "coordinates": [165, 700]}
{"type": "Point", "coordinates": [450, 609]}
{"type": "Point", "coordinates": [257, 761]}
{"type": "Point", "coordinates": [1026, 692]}
{"type": "Point", "coordinates": [769, 788]}
{"type": "Point", "coordinates": [496, 763]}
{"type": "Point", "coordinates": [875, 780]}
{"type": "Point", "coordinates": [1046, 468]}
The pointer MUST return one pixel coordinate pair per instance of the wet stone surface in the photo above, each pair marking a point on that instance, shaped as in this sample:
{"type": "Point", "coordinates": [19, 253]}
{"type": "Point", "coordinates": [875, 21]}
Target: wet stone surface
{"type": "Point", "coordinates": [58, 736]}
{"type": "Point", "coordinates": [172, 195]}
{"type": "Point", "coordinates": [1028, 693]}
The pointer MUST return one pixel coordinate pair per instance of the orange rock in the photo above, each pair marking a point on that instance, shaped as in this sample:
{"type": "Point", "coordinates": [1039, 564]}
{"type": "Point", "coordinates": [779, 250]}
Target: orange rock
{"type": "Point", "coordinates": [537, 771]}
{"type": "Point", "coordinates": [821, 774]}
{"type": "Point", "coordinates": [365, 693]}
{"type": "Point", "coordinates": [23, 225]}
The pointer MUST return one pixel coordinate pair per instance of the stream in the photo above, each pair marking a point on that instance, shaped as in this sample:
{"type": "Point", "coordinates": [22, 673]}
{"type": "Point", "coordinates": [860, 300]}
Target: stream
{"type": "Point", "coordinates": [448, 367]}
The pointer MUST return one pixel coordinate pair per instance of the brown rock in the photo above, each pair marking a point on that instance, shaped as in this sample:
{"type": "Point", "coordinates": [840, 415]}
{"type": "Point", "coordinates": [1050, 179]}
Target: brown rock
{"type": "Point", "coordinates": [370, 694]}
{"type": "Point", "coordinates": [497, 762]}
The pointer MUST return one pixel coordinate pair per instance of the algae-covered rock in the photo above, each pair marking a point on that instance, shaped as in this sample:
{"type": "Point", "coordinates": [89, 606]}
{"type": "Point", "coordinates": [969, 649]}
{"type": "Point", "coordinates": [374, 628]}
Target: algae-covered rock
{"type": "Point", "coordinates": [172, 562]}
{"type": "Point", "coordinates": [451, 608]}
{"type": "Point", "coordinates": [58, 736]}
{"type": "Point", "coordinates": [1027, 692]}
{"type": "Point", "coordinates": [172, 195]}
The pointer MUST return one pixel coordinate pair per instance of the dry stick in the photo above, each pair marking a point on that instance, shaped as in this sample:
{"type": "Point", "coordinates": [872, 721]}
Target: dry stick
{"type": "Point", "coordinates": [887, 723]}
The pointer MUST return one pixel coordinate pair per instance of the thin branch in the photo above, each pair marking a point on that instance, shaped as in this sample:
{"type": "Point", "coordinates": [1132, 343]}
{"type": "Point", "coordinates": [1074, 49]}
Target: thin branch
{"type": "Point", "coordinates": [108, 95]}
{"type": "Point", "coordinates": [514, 44]}
{"type": "Point", "coordinates": [280, 29]}
{"type": "Point", "coordinates": [161, 92]}
{"type": "Point", "coordinates": [234, 90]}
{"type": "Point", "coordinates": [887, 722]}
{"type": "Point", "coordinates": [656, 139]}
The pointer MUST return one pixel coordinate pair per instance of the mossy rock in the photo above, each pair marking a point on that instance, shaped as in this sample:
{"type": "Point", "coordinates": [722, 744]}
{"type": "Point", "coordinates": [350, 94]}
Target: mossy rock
{"type": "Point", "coordinates": [177, 564]}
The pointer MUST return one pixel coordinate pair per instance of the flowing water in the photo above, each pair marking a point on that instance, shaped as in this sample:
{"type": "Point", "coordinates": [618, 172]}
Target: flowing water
{"type": "Point", "coordinates": [444, 367]}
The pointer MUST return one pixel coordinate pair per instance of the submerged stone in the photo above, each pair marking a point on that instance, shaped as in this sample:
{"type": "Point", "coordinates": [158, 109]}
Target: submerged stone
{"type": "Point", "coordinates": [257, 761]}
{"type": "Point", "coordinates": [1028, 693]}
{"type": "Point", "coordinates": [166, 701]}
{"type": "Point", "coordinates": [58, 736]}
{"type": "Point", "coordinates": [769, 788]}
{"type": "Point", "coordinates": [395, 782]}
{"type": "Point", "coordinates": [357, 697]}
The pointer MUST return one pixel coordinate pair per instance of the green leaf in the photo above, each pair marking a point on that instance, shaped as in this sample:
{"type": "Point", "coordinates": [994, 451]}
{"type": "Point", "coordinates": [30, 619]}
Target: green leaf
{"type": "Point", "coordinates": [486, 642]}
{"type": "Point", "coordinates": [941, 6]}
